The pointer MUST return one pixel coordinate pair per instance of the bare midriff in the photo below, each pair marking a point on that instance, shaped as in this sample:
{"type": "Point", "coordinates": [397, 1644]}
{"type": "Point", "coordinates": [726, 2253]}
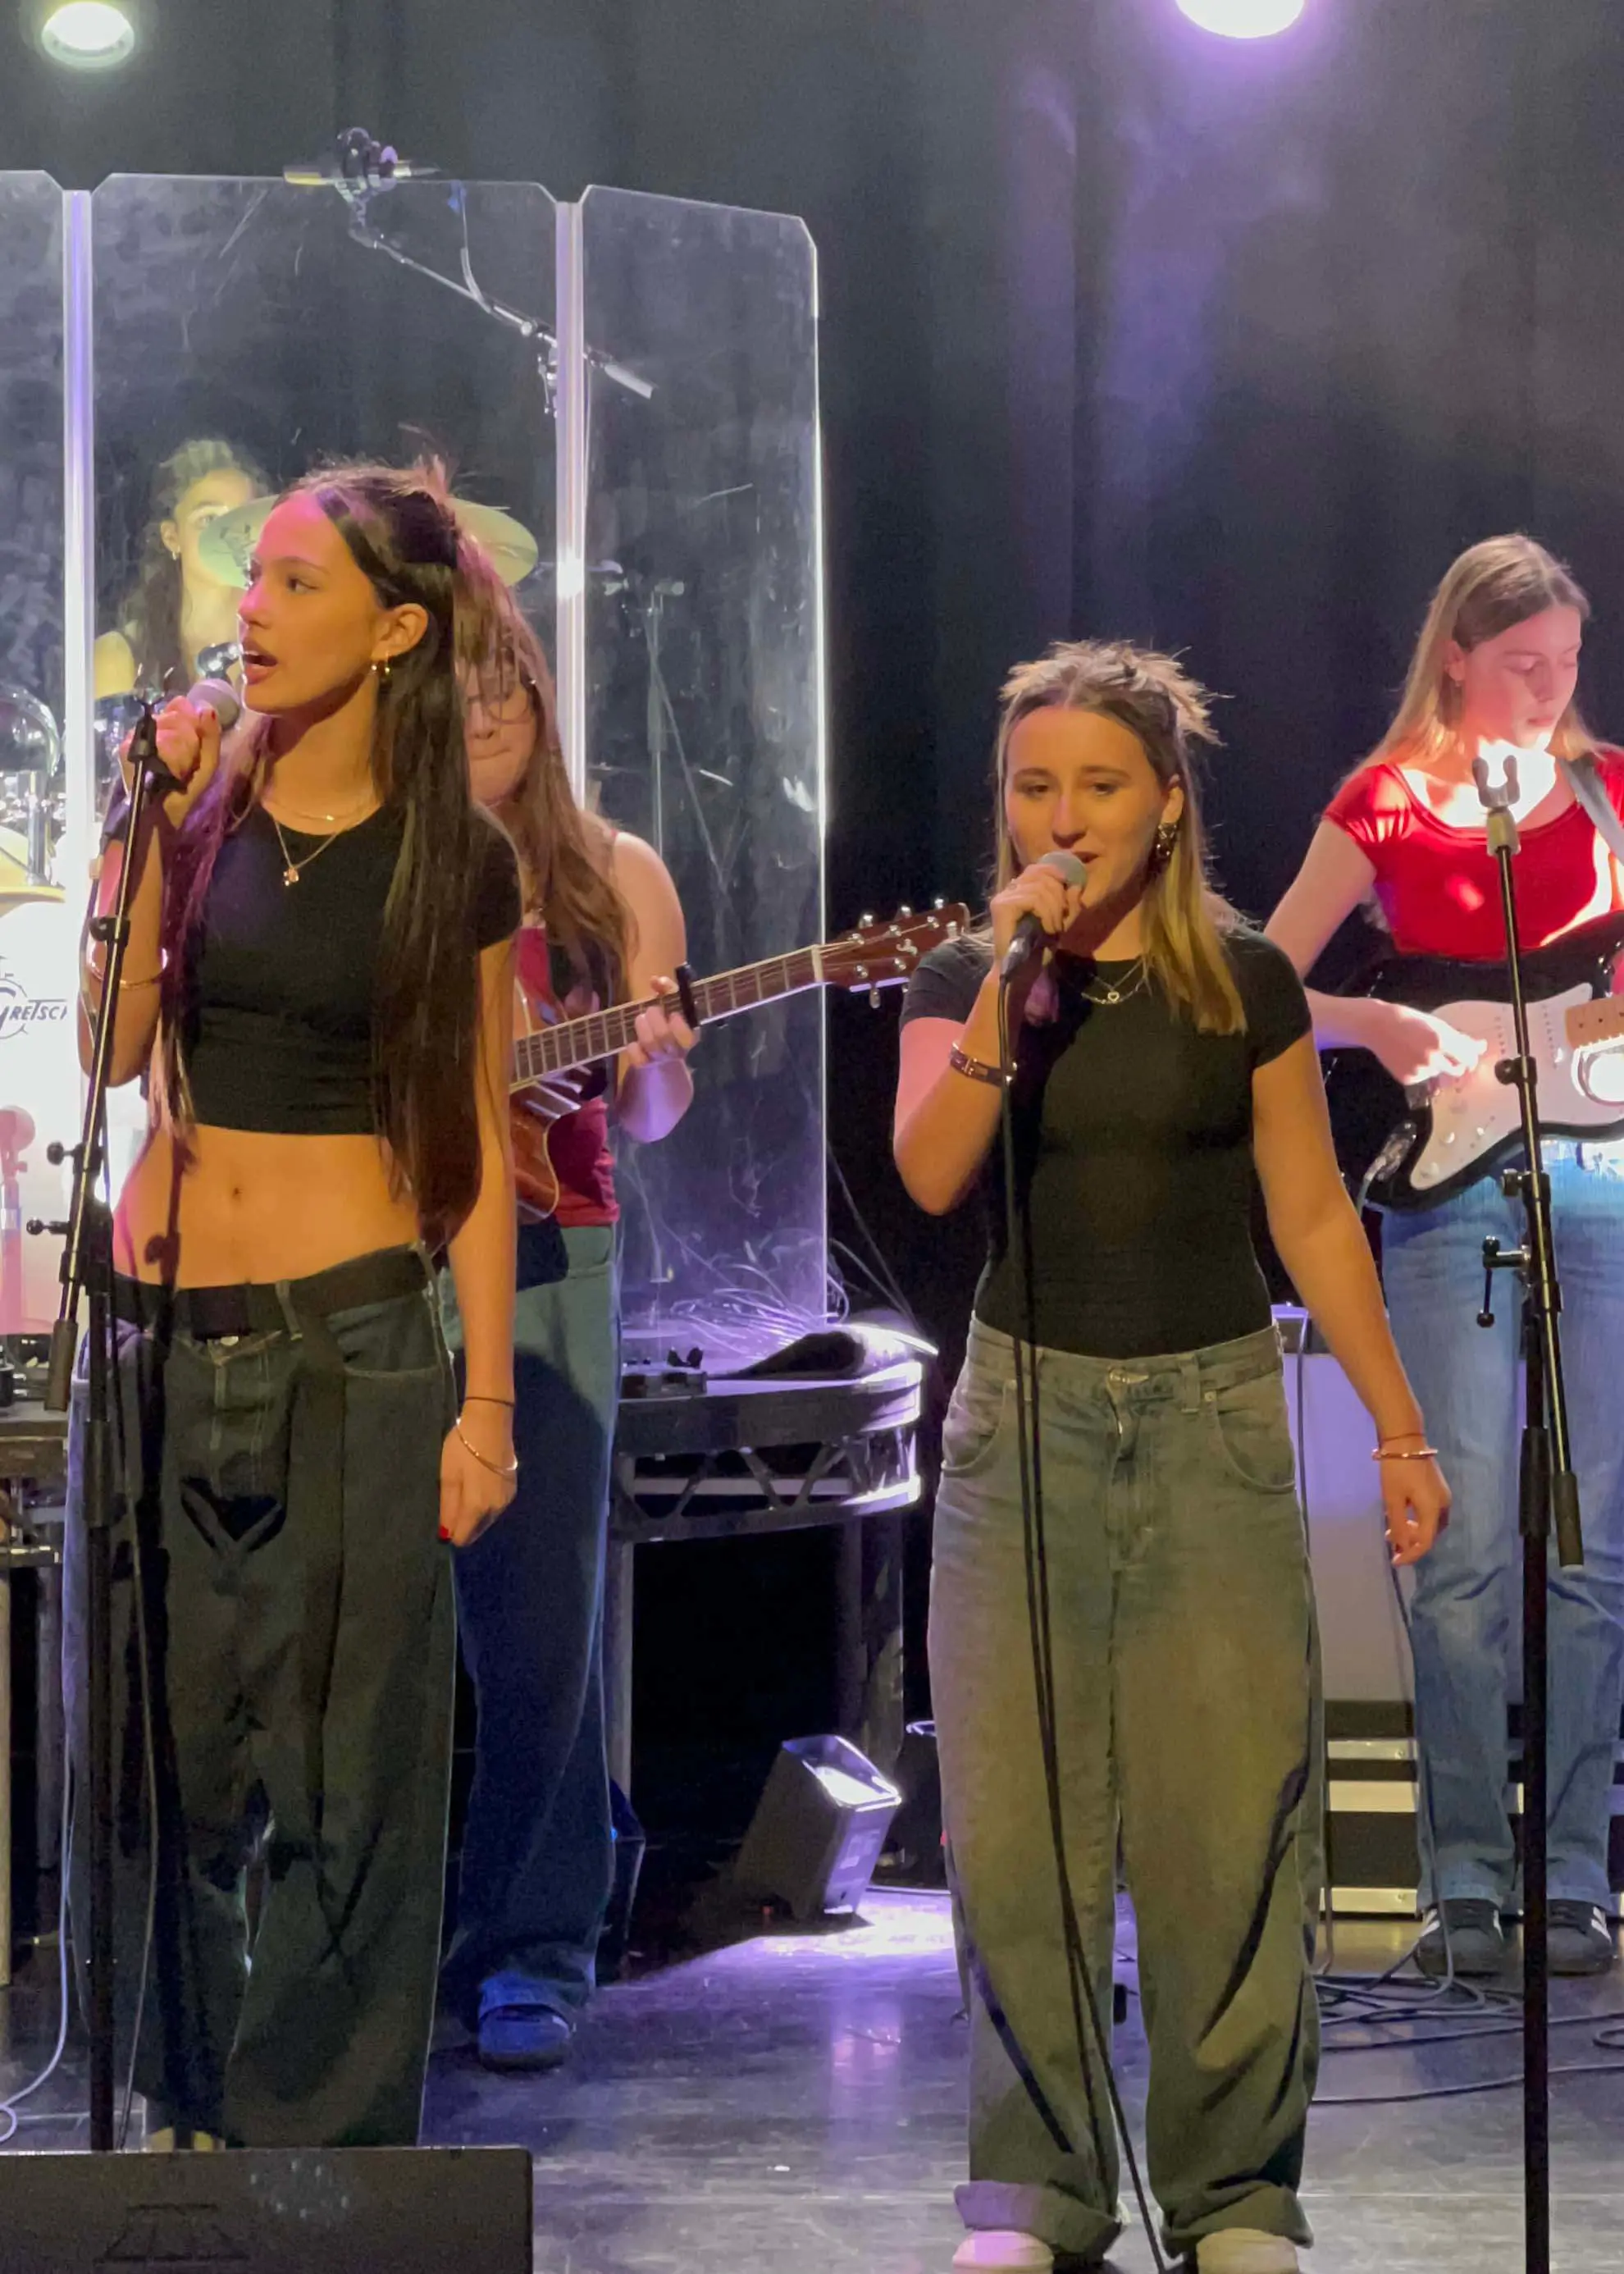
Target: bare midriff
{"type": "Point", "coordinates": [255, 1205]}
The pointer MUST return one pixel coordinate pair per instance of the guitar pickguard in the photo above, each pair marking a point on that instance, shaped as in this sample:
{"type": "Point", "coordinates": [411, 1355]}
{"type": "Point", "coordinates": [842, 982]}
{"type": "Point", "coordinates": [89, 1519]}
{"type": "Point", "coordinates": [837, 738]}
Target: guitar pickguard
{"type": "Point", "coordinates": [1470, 1119]}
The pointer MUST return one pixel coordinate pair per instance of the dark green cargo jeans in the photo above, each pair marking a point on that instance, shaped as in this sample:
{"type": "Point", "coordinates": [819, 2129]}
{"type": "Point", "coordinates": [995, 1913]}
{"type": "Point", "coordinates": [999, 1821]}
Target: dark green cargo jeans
{"type": "Point", "coordinates": [278, 1513]}
{"type": "Point", "coordinates": [1183, 1652]}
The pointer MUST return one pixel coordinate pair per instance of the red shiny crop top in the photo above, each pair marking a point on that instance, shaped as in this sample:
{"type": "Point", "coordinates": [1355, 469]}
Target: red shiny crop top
{"type": "Point", "coordinates": [1438, 886]}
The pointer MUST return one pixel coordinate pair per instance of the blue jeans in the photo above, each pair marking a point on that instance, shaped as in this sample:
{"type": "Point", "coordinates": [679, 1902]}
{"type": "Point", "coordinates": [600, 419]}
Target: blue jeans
{"type": "Point", "coordinates": [538, 1848]}
{"type": "Point", "coordinates": [1465, 1615]}
{"type": "Point", "coordinates": [1183, 1654]}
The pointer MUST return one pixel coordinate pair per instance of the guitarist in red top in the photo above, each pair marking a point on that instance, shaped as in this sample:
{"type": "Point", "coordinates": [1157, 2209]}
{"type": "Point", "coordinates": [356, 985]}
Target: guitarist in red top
{"type": "Point", "coordinates": [602, 923]}
{"type": "Point", "coordinates": [1496, 668]}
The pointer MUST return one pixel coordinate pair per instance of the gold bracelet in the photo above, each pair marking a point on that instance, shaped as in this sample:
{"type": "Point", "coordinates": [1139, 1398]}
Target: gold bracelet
{"type": "Point", "coordinates": [495, 1467]}
{"type": "Point", "coordinates": [1420, 1453]}
{"type": "Point", "coordinates": [975, 1069]}
{"type": "Point", "coordinates": [87, 971]}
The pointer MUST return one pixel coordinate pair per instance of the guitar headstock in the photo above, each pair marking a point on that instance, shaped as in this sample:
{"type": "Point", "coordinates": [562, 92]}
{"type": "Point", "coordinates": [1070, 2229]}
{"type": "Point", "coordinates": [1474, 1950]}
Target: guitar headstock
{"type": "Point", "coordinates": [884, 954]}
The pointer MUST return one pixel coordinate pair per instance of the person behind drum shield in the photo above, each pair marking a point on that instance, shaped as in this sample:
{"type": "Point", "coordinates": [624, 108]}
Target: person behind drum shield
{"type": "Point", "coordinates": [1161, 1057]}
{"type": "Point", "coordinates": [178, 607]}
{"type": "Point", "coordinates": [1495, 669]}
{"type": "Point", "coordinates": [603, 924]}
{"type": "Point", "coordinates": [319, 979]}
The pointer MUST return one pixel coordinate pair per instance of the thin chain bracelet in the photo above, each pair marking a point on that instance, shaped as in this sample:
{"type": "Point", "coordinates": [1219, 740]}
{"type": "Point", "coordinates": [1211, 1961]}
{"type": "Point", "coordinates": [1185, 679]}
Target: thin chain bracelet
{"type": "Point", "coordinates": [1420, 1453]}
{"type": "Point", "coordinates": [495, 1467]}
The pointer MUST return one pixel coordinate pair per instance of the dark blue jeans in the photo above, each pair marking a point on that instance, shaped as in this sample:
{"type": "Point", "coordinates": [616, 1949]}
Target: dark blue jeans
{"type": "Point", "coordinates": [538, 1848]}
{"type": "Point", "coordinates": [294, 1636]}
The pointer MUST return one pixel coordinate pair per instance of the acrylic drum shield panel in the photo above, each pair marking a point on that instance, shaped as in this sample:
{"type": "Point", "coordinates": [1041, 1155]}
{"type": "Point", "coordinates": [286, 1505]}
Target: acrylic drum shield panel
{"type": "Point", "coordinates": [230, 335]}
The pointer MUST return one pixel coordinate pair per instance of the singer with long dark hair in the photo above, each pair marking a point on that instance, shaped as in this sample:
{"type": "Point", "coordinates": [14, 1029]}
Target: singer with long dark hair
{"type": "Point", "coordinates": [1496, 667]}
{"type": "Point", "coordinates": [320, 980]}
{"type": "Point", "coordinates": [1162, 1056]}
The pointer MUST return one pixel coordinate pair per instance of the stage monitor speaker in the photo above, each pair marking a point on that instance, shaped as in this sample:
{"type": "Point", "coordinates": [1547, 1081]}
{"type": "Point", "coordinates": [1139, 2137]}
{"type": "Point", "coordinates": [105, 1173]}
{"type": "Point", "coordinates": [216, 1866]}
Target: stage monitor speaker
{"type": "Point", "coordinates": [819, 1829]}
{"type": "Point", "coordinates": [295, 2210]}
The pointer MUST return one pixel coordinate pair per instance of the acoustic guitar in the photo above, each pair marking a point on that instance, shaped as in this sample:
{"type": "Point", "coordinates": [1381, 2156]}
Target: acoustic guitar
{"type": "Point", "coordinates": [875, 956]}
{"type": "Point", "coordinates": [1414, 1147]}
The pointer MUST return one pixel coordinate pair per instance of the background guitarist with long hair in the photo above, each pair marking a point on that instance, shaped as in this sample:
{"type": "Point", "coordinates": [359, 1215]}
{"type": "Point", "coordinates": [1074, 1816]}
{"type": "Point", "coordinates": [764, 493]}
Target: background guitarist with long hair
{"type": "Point", "coordinates": [1496, 667]}
{"type": "Point", "coordinates": [602, 923]}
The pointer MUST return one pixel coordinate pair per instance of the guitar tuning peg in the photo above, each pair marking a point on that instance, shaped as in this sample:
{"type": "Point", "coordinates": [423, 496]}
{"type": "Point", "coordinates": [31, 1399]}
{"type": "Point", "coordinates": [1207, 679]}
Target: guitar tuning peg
{"type": "Point", "coordinates": [938, 902]}
{"type": "Point", "coordinates": [874, 998]}
{"type": "Point", "coordinates": [905, 909]}
{"type": "Point", "coordinates": [863, 923]}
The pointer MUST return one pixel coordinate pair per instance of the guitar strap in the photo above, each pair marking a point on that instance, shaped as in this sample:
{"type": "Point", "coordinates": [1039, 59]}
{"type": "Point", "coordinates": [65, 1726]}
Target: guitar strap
{"type": "Point", "coordinates": [1584, 778]}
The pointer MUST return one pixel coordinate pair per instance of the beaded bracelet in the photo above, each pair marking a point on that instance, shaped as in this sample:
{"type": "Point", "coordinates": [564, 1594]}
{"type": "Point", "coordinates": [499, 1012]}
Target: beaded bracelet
{"type": "Point", "coordinates": [974, 1069]}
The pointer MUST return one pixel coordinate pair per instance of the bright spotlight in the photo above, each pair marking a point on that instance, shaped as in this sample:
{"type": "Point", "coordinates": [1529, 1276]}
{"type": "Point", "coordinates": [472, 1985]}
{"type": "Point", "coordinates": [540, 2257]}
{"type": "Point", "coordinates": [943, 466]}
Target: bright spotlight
{"type": "Point", "coordinates": [1243, 20]}
{"type": "Point", "coordinates": [88, 34]}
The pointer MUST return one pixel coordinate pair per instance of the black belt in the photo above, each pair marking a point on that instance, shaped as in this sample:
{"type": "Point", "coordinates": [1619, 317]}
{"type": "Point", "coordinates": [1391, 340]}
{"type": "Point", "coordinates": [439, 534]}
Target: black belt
{"type": "Point", "coordinates": [260, 1307]}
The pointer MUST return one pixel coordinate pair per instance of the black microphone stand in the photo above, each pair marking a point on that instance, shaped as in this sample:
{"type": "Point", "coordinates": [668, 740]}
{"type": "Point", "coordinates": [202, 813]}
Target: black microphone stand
{"type": "Point", "coordinates": [1547, 1491]}
{"type": "Point", "coordinates": [87, 1267]}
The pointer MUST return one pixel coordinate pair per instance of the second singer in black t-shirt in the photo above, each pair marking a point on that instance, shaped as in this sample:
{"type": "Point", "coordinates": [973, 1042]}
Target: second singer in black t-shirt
{"type": "Point", "coordinates": [1133, 1151]}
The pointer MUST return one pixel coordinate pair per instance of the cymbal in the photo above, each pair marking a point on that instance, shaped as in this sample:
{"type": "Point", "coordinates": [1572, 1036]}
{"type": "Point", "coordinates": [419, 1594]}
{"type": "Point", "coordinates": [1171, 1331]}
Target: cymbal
{"type": "Point", "coordinates": [227, 544]}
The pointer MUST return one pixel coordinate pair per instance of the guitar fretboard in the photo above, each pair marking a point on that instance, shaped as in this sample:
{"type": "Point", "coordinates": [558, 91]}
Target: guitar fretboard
{"type": "Point", "coordinates": [600, 1034]}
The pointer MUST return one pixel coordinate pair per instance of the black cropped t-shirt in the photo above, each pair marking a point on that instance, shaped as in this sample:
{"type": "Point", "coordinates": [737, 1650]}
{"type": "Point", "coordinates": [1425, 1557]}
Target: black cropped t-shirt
{"type": "Point", "coordinates": [277, 1027]}
{"type": "Point", "coordinates": [1133, 1154]}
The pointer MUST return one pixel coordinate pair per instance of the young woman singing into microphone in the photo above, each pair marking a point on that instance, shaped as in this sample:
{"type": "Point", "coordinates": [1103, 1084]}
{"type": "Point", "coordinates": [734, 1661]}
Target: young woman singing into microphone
{"type": "Point", "coordinates": [321, 977]}
{"type": "Point", "coordinates": [1161, 1054]}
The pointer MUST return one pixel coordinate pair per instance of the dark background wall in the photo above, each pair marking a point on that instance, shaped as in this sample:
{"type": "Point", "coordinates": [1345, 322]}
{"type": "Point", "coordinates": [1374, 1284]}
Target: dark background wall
{"type": "Point", "coordinates": [1125, 330]}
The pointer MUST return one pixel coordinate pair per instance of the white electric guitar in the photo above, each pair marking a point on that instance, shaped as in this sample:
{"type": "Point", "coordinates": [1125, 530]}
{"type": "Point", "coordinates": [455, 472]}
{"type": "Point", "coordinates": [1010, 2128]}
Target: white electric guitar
{"type": "Point", "coordinates": [1412, 1148]}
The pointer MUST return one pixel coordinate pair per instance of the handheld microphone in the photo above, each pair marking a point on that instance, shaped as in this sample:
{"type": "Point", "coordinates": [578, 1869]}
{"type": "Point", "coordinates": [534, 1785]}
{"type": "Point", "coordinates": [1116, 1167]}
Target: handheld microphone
{"type": "Point", "coordinates": [221, 697]}
{"type": "Point", "coordinates": [1029, 933]}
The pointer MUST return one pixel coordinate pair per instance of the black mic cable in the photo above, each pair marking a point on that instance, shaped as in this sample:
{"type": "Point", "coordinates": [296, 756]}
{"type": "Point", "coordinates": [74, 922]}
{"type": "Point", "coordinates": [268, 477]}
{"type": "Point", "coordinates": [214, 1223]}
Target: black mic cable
{"type": "Point", "coordinates": [1086, 2016]}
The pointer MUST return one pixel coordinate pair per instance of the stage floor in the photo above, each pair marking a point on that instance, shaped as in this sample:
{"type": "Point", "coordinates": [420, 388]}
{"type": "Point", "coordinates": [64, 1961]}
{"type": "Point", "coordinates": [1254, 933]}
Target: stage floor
{"type": "Point", "coordinates": [792, 2105]}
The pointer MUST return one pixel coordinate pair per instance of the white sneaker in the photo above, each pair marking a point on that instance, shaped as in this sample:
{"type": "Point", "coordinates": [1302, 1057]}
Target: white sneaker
{"type": "Point", "coordinates": [1247, 2250]}
{"type": "Point", "coordinates": [1004, 2250]}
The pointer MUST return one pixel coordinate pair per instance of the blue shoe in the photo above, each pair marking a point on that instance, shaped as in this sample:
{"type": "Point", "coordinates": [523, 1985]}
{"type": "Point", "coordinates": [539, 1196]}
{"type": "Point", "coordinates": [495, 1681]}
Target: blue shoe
{"type": "Point", "coordinates": [514, 2038]}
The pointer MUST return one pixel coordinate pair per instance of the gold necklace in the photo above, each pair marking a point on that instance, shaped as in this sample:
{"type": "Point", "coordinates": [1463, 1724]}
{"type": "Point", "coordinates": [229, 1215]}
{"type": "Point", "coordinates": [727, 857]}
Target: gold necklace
{"type": "Point", "coordinates": [350, 813]}
{"type": "Point", "coordinates": [292, 869]}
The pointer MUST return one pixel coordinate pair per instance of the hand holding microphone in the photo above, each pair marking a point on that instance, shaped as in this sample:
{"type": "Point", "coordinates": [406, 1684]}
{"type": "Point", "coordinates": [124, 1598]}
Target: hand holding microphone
{"type": "Point", "coordinates": [189, 728]}
{"type": "Point", "coordinates": [1036, 906]}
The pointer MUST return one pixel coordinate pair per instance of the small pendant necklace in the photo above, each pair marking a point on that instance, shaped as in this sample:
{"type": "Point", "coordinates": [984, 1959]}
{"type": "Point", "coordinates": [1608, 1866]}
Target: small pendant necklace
{"type": "Point", "coordinates": [291, 869]}
{"type": "Point", "coordinates": [1122, 989]}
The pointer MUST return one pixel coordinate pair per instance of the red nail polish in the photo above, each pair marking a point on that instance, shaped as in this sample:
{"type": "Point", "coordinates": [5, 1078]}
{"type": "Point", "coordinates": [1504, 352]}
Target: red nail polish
{"type": "Point", "coordinates": [444, 1535]}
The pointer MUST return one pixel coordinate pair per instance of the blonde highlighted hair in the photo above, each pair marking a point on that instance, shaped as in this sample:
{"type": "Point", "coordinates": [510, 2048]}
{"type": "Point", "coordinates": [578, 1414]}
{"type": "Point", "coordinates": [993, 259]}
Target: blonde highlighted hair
{"type": "Point", "coordinates": [1489, 588]}
{"type": "Point", "coordinates": [1167, 712]}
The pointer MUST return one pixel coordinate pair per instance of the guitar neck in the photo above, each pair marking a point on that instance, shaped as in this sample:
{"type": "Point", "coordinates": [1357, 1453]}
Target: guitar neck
{"type": "Point", "coordinates": [601, 1033]}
